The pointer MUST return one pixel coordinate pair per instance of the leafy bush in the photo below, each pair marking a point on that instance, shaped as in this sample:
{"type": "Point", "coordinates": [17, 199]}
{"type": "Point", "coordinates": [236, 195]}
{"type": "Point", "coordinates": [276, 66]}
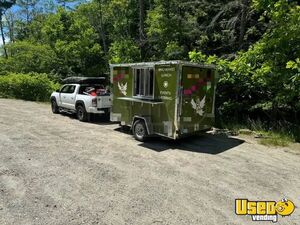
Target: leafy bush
{"type": "Point", "coordinates": [25, 57]}
{"type": "Point", "coordinates": [263, 82]}
{"type": "Point", "coordinates": [248, 92]}
{"type": "Point", "coordinates": [275, 139]}
{"type": "Point", "coordinates": [32, 87]}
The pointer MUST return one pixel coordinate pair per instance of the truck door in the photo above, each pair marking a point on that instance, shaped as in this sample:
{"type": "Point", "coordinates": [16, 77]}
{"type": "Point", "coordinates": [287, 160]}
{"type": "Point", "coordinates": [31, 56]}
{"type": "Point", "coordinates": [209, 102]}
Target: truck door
{"type": "Point", "coordinates": [67, 96]}
{"type": "Point", "coordinates": [70, 97]}
{"type": "Point", "coordinates": [62, 96]}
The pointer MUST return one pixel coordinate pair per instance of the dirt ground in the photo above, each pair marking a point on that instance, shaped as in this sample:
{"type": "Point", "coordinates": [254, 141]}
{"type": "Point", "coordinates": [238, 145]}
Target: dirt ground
{"type": "Point", "coordinates": [57, 170]}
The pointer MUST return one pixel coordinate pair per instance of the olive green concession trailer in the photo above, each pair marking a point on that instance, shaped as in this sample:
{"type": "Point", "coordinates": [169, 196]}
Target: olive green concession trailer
{"type": "Point", "coordinates": [172, 99]}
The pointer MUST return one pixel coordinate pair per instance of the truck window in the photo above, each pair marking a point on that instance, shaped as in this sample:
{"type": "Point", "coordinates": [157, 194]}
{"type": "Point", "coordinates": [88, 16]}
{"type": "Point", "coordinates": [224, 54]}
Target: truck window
{"type": "Point", "coordinates": [71, 89]}
{"type": "Point", "coordinates": [68, 89]}
{"type": "Point", "coordinates": [144, 83]}
{"type": "Point", "coordinates": [65, 89]}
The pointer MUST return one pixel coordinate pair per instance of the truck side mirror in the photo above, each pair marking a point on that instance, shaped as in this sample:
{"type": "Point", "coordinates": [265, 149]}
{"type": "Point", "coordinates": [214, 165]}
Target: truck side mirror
{"type": "Point", "coordinates": [58, 90]}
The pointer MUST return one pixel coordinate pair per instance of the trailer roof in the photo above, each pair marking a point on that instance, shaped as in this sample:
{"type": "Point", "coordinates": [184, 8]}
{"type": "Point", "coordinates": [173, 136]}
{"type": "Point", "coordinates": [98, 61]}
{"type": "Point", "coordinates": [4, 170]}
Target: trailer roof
{"type": "Point", "coordinates": [174, 62]}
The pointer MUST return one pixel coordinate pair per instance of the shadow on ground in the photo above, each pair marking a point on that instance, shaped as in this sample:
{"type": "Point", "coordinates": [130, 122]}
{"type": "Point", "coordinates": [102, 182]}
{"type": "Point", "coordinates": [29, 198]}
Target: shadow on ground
{"type": "Point", "coordinates": [206, 143]}
{"type": "Point", "coordinates": [94, 119]}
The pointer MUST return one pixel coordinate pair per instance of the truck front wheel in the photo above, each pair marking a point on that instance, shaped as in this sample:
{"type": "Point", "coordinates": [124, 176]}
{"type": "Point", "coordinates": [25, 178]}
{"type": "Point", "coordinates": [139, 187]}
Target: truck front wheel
{"type": "Point", "coordinates": [82, 115]}
{"type": "Point", "coordinates": [54, 106]}
{"type": "Point", "coordinates": [139, 131]}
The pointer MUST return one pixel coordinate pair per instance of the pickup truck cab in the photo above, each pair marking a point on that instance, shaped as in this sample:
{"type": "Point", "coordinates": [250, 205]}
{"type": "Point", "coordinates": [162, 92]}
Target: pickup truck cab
{"type": "Point", "coordinates": [82, 96]}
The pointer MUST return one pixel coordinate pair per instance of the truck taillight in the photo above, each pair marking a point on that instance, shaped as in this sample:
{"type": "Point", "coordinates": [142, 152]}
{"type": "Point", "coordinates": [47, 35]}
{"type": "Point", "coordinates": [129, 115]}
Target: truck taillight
{"type": "Point", "coordinates": [94, 102]}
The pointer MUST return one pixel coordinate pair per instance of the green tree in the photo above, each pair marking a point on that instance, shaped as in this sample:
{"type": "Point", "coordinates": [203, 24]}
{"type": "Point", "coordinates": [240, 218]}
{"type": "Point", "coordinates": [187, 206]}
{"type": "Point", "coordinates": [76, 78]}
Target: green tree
{"type": "Point", "coordinates": [28, 8]}
{"type": "Point", "coordinates": [64, 3]}
{"type": "Point", "coordinates": [264, 81]}
{"type": "Point", "coordinates": [48, 6]}
{"type": "Point", "coordinates": [75, 42]}
{"type": "Point", "coordinates": [10, 24]}
{"type": "Point", "coordinates": [26, 57]}
{"type": "Point", "coordinates": [163, 26]}
{"type": "Point", "coordinates": [124, 51]}
{"type": "Point", "coordinates": [4, 5]}
{"type": "Point", "coordinates": [99, 18]}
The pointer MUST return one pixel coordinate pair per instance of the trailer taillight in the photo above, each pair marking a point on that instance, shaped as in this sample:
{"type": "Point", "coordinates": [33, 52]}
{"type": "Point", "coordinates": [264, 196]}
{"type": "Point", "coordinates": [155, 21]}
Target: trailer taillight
{"type": "Point", "coordinates": [94, 102]}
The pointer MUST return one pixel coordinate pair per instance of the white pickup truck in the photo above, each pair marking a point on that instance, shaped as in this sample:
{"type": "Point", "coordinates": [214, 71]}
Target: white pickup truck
{"type": "Point", "coordinates": [75, 97]}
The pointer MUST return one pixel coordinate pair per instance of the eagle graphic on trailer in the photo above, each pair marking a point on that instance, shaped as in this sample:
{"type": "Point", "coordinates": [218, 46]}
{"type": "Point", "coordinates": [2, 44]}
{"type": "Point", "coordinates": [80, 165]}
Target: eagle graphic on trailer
{"type": "Point", "coordinates": [198, 105]}
{"type": "Point", "coordinates": [123, 88]}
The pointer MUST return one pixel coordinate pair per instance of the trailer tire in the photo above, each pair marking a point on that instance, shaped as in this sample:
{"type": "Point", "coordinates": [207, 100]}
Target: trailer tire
{"type": "Point", "coordinates": [140, 131]}
{"type": "Point", "coordinates": [54, 106]}
{"type": "Point", "coordinates": [82, 114]}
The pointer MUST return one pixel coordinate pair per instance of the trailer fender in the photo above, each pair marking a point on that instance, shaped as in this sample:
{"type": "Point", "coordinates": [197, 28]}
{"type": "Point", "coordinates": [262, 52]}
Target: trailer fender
{"type": "Point", "coordinates": [147, 122]}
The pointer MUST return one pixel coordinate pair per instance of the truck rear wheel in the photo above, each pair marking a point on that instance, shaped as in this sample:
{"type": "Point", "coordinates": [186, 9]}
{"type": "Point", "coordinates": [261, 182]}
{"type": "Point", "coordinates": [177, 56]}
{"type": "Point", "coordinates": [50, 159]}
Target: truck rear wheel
{"type": "Point", "coordinates": [139, 131]}
{"type": "Point", "coordinates": [82, 115]}
{"type": "Point", "coordinates": [54, 107]}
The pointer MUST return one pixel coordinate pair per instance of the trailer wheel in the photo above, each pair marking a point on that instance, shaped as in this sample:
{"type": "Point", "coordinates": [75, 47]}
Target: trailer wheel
{"type": "Point", "coordinates": [54, 107]}
{"type": "Point", "coordinates": [139, 130]}
{"type": "Point", "coordinates": [82, 115]}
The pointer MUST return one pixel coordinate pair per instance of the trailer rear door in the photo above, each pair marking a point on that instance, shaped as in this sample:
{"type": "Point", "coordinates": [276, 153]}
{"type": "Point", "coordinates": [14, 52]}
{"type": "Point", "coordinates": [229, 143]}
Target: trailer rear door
{"type": "Point", "coordinates": [197, 103]}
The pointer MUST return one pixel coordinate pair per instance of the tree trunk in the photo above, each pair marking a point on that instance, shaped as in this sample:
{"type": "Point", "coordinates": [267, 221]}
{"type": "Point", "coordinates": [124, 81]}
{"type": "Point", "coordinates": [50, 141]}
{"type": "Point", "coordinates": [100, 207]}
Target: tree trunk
{"type": "Point", "coordinates": [167, 8]}
{"type": "Point", "coordinates": [2, 34]}
{"type": "Point", "coordinates": [102, 32]}
{"type": "Point", "coordinates": [11, 26]}
{"type": "Point", "coordinates": [27, 11]}
{"type": "Point", "coordinates": [141, 27]}
{"type": "Point", "coordinates": [245, 5]}
{"type": "Point", "coordinates": [64, 4]}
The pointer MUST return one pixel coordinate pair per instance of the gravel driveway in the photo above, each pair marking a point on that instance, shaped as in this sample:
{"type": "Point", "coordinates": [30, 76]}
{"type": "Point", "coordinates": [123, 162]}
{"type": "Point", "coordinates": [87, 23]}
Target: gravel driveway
{"type": "Point", "coordinates": [57, 170]}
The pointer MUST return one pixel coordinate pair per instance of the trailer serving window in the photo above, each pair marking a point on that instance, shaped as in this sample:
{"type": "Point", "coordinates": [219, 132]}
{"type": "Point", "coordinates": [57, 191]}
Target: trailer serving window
{"type": "Point", "coordinates": [144, 83]}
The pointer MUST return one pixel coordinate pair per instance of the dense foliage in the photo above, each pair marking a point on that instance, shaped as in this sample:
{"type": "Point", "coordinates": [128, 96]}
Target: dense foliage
{"type": "Point", "coordinates": [263, 82]}
{"type": "Point", "coordinates": [86, 38]}
{"type": "Point", "coordinates": [32, 87]}
{"type": "Point", "coordinates": [254, 43]}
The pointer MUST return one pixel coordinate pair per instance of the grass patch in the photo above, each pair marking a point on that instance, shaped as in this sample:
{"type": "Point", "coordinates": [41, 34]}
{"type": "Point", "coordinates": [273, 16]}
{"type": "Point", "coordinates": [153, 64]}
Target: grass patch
{"type": "Point", "coordinates": [280, 137]}
{"type": "Point", "coordinates": [275, 139]}
{"type": "Point", "coordinates": [245, 132]}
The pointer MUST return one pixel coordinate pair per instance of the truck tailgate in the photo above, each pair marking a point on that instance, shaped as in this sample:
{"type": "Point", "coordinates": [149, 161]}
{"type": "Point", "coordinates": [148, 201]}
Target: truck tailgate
{"type": "Point", "coordinates": [104, 101]}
